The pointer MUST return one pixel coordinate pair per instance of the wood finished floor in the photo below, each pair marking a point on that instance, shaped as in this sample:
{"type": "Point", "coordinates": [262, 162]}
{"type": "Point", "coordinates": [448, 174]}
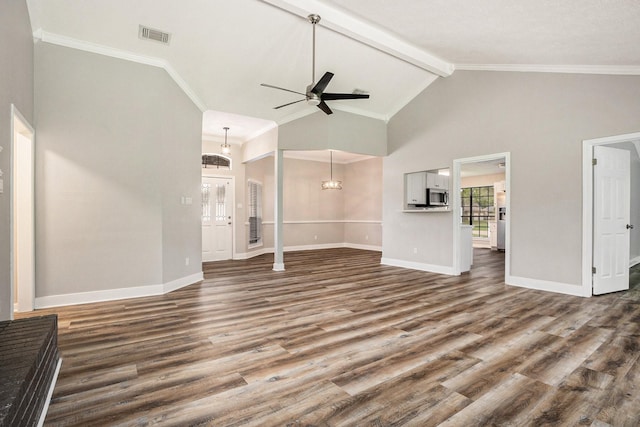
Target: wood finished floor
{"type": "Point", "coordinates": [340, 340]}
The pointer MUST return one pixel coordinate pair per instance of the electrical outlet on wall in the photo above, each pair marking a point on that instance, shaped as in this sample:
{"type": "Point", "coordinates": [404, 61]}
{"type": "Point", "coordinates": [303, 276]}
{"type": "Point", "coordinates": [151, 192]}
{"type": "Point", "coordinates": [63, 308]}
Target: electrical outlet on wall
{"type": "Point", "coordinates": [186, 261]}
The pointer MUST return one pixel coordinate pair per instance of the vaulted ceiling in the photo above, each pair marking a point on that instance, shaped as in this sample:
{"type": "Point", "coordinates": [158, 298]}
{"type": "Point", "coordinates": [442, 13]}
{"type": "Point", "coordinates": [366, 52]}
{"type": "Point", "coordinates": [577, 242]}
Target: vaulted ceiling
{"type": "Point", "coordinates": [221, 50]}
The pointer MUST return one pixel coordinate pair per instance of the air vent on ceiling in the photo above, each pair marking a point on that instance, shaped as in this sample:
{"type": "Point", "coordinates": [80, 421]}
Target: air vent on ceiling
{"type": "Point", "coordinates": [147, 33]}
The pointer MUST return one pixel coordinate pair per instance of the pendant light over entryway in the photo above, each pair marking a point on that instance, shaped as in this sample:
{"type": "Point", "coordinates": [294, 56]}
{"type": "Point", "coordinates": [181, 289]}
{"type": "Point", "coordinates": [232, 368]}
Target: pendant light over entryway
{"type": "Point", "coordinates": [226, 148]}
{"type": "Point", "coordinates": [331, 184]}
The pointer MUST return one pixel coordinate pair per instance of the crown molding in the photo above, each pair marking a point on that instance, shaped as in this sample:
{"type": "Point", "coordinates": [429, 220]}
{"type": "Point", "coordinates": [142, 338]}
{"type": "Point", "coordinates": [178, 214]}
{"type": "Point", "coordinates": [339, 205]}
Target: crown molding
{"type": "Point", "coordinates": [632, 70]}
{"type": "Point", "coordinates": [73, 43]}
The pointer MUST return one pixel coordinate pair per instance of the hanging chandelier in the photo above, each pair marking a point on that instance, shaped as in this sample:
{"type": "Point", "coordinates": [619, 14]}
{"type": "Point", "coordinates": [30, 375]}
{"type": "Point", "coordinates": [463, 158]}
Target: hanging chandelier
{"type": "Point", "coordinates": [226, 148]}
{"type": "Point", "coordinates": [331, 184]}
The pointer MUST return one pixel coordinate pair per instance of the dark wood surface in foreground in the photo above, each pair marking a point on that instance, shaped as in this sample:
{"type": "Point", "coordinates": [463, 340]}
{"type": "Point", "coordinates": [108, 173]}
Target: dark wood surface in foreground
{"type": "Point", "coordinates": [339, 339]}
{"type": "Point", "coordinates": [28, 361]}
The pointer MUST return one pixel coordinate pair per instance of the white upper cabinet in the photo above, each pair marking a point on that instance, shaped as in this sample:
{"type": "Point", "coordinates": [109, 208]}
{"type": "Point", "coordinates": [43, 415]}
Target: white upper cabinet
{"type": "Point", "coordinates": [435, 180]}
{"type": "Point", "coordinates": [416, 187]}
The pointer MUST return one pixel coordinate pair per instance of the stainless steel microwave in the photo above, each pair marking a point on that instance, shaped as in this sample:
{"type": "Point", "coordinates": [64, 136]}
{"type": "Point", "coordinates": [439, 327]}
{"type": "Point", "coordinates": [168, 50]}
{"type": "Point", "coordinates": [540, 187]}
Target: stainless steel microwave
{"type": "Point", "coordinates": [437, 197]}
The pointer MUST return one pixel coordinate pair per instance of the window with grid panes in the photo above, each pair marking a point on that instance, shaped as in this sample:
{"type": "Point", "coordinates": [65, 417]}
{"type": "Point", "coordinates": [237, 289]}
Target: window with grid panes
{"type": "Point", "coordinates": [477, 209]}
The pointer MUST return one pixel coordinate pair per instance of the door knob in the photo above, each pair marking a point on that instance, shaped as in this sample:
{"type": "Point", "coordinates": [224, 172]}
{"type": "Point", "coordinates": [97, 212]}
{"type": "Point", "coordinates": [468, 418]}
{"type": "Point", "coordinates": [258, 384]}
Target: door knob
{"type": "Point", "coordinates": [629, 227]}
{"type": "Point", "coordinates": [228, 223]}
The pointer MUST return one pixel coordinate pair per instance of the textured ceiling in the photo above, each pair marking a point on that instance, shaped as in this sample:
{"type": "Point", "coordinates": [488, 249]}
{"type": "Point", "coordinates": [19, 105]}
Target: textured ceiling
{"type": "Point", "coordinates": [222, 50]}
{"type": "Point", "coordinates": [547, 32]}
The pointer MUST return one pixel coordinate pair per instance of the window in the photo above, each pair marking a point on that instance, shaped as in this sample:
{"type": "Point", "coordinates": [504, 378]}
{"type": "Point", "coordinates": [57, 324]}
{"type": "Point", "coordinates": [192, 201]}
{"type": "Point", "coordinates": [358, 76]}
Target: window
{"type": "Point", "coordinates": [206, 206]}
{"type": "Point", "coordinates": [255, 213]}
{"type": "Point", "coordinates": [217, 160]}
{"type": "Point", "coordinates": [477, 209]}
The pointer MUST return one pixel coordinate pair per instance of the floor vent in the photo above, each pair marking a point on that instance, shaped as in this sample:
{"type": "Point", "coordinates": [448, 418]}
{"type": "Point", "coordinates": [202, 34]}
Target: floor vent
{"type": "Point", "coordinates": [147, 33]}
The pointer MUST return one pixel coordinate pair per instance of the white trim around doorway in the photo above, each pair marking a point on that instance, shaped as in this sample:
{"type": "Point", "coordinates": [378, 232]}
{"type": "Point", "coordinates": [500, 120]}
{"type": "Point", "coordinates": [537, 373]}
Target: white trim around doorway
{"type": "Point", "coordinates": [587, 203]}
{"type": "Point", "coordinates": [457, 164]}
{"type": "Point", "coordinates": [25, 237]}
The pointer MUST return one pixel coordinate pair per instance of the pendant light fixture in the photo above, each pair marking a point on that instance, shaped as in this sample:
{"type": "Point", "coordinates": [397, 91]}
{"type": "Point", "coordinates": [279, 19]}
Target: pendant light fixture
{"type": "Point", "coordinates": [331, 184]}
{"type": "Point", "coordinates": [226, 148]}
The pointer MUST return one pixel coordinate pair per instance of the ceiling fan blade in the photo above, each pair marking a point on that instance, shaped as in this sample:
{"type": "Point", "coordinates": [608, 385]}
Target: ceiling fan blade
{"type": "Point", "coordinates": [284, 105]}
{"type": "Point", "coordinates": [324, 107]}
{"type": "Point", "coordinates": [322, 83]}
{"type": "Point", "coordinates": [333, 96]}
{"type": "Point", "coordinates": [281, 88]}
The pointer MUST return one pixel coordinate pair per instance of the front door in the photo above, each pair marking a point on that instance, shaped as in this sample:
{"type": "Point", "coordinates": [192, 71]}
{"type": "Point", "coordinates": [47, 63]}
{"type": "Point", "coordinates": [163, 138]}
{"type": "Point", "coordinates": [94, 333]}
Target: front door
{"type": "Point", "coordinates": [611, 215]}
{"type": "Point", "coordinates": [217, 231]}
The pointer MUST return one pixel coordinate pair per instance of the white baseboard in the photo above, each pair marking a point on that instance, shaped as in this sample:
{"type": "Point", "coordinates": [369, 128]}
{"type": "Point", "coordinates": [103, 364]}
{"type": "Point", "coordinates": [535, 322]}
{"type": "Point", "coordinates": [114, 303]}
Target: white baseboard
{"type": "Point", "coordinates": [635, 261]}
{"type": "Point", "coordinates": [262, 251]}
{"type": "Point", "coordinates": [363, 247]}
{"type": "Point", "coordinates": [544, 285]}
{"type": "Point", "coordinates": [440, 269]}
{"type": "Point", "coordinates": [254, 253]}
{"type": "Point", "coordinates": [115, 294]}
{"type": "Point", "coordinates": [45, 409]}
{"type": "Point", "coordinates": [182, 282]}
{"type": "Point", "coordinates": [312, 247]}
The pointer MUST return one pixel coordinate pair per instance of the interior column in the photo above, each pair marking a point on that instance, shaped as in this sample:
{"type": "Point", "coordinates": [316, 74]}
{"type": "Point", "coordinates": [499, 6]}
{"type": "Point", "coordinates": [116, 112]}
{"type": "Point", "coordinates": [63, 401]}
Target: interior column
{"type": "Point", "coordinates": [278, 246]}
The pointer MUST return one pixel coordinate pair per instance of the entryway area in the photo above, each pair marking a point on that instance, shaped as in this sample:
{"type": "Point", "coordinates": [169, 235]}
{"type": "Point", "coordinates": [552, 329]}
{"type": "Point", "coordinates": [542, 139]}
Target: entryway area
{"type": "Point", "coordinates": [217, 218]}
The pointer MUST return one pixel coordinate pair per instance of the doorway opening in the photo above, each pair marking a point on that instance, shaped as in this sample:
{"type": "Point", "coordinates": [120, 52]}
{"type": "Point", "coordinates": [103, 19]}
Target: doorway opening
{"type": "Point", "coordinates": [22, 221]}
{"type": "Point", "coordinates": [481, 206]}
{"type": "Point", "coordinates": [622, 250]}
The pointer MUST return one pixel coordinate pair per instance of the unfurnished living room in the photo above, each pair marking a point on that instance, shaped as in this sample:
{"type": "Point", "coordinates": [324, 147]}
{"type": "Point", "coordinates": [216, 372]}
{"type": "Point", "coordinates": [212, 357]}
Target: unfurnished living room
{"type": "Point", "coordinates": [319, 213]}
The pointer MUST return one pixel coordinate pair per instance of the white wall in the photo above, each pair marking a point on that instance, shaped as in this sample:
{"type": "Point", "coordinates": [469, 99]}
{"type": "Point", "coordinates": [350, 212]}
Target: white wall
{"type": "Point", "coordinates": [118, 146]}
{"type": "Point", "coordinates": [260, 146]}
{"type": "Point", "coordinates": [542, 119]}
{"type": "Point", "coordinates": [16, 87]}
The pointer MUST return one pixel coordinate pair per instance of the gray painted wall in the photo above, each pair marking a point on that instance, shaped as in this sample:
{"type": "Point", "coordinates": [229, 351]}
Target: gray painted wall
{"type": "Point", "coordinates": [16, 87]}
{"type": "Point", "coordinates": [118, 146]}
{"type": "Point", "coordinates": [339, 131]}
{"type": "Point", "coordinates": [542, 119]}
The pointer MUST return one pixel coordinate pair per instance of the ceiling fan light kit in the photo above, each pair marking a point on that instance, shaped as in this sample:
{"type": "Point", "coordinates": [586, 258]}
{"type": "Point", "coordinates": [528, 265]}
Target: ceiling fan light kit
{"type": "Point", "coordinates": [314, 93]}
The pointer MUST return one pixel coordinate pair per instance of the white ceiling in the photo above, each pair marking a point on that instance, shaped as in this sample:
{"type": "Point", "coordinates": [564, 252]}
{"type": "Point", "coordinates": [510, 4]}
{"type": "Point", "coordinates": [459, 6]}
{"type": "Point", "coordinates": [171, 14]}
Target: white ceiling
{"type": "Point", "coordinates": [487, 167]}
{"type": "Point", "coordinates": [222, 50]}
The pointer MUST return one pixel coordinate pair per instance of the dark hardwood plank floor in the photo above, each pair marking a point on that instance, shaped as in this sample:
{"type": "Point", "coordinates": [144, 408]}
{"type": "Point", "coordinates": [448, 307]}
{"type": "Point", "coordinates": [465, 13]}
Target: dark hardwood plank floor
{"type": "Point", "coordinates": [340, 340]}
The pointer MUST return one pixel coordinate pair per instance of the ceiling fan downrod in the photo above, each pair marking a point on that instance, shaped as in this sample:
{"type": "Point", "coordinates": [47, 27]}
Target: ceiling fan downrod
{"type": "Point", "coordinates": [314, 19]}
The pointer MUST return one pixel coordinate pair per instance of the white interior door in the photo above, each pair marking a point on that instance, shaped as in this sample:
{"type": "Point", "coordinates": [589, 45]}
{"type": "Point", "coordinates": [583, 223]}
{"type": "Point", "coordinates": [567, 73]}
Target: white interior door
{"type": "Point", "coordinates": [611, 215]}
{"type": "Point", "coordinates": [217, 219]}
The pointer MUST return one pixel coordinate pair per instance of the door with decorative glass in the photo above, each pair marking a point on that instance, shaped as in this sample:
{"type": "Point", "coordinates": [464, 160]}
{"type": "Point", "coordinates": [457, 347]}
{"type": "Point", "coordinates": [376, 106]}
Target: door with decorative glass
{"type": "Point", "coordinates": [217, 220]}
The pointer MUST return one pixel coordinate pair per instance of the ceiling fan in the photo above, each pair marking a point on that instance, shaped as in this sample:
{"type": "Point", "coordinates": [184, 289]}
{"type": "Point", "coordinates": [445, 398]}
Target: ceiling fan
{"type": "Point", "coordinates": [315, 94]}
